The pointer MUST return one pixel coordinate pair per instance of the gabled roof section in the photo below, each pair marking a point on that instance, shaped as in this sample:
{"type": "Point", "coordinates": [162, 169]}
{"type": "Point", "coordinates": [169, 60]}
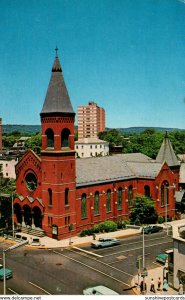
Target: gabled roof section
{"type": "Point", "coordinates": [118, 167]}
{"type": "Point", "coordinates": [29, 157]}
{"type": "Point", "coordinates": [145, 169]}
{"type": "Point", "coordinates": [57, 99]}
{"type": "Point", "coordinates": [167, 154]}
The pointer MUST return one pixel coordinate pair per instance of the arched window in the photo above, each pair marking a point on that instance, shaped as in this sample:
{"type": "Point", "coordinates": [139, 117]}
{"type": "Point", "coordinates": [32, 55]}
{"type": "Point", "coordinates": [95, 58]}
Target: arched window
{"type": "Point", "coordinates": [96, 203]}
{"type": "Point", "coordinates": [83, 206]}
{"type": "Point", "coordinates": [147, 190]}
{"type": "Point", "coordinates": [164, 193]}
{"type": "Point", "coordinates": [130, 195]}
{"type": "Point", "coordinates": [65, 138]}
{"type": "Point", "coordinates": [120, 198]}
{"type": "Point", "coordinates": [50, 200]}
{"type": "Point", "coordinates": [50, 138]}
{"type": "Point", "coordinates": [66, 196]}
{"type": "Point", "coordinates": [108, 202]}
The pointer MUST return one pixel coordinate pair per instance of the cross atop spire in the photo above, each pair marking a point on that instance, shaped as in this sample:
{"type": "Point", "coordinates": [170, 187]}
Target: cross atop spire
{"type": "Point", "coordinates": [56, 49]}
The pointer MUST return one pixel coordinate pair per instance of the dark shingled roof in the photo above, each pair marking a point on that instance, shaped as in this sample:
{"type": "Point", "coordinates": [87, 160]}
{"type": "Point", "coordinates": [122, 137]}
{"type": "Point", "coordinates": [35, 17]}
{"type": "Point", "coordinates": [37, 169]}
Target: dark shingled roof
{"type": "Point", "coordinates": [167, 154]}
{"type": "Point", "coordinates": [114, 168]}
{"type": "Point", "coordinates": [57, 98]}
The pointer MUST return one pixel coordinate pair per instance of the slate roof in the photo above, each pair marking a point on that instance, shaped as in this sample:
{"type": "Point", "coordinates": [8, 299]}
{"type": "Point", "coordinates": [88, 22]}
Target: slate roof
{"type": "Point", "coordinates": [57, 99]}
{"type": "Point", "coordinates": [114, 168]}
{"type": "Point", "coordinates": [167, 154]}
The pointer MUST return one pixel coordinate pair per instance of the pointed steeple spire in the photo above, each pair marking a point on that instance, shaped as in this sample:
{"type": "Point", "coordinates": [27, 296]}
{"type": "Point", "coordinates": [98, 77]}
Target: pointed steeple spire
{"type": "Point", "coordinates": [166, 153]}
{"type": "Point", "coordinates": [57, 100]}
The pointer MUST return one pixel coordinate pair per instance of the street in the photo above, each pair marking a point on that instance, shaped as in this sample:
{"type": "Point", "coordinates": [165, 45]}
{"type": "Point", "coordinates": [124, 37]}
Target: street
{"type": "Point", "coordinates": [68, 271]}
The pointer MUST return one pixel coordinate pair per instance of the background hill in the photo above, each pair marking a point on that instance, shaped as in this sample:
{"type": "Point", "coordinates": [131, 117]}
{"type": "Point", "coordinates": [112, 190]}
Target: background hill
{"type": "Point", "coordinates": [32, 129]}
{"type": "Point", "coordinates": [141, 129]}
{"type": "Point", "coordinates": [23, 129]}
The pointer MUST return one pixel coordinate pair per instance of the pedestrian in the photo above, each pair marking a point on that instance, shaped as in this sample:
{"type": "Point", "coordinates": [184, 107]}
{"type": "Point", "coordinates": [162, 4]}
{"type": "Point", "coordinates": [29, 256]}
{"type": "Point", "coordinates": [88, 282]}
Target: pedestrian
{"type": "Point", "coordinates": [141, 286]}
{"type": "Point", "coordinates": [180, 288]}
{"type": "Point", "coordinates": [94, 236]}
{"type": "Point", "coordinates": [152, 286]}
{"type": "Point", "coordinates": [159, 284]}
{"type": "Point", "coordinates": [165, 285]}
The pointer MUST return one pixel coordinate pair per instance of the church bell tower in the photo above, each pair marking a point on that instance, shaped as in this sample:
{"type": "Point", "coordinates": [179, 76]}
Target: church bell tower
{"type": "Point", "coordinates": [58, 158]}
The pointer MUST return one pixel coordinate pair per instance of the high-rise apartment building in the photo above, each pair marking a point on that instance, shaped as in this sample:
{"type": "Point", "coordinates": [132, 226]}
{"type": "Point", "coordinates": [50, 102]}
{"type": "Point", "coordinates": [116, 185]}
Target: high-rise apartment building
{"type": "Point", "coordinates": [91, 120]}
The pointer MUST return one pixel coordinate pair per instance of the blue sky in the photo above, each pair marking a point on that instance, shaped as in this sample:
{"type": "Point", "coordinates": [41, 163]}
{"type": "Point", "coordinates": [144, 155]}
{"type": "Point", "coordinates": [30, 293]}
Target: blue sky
{"type": "Point", "coordinates": [126, 55]}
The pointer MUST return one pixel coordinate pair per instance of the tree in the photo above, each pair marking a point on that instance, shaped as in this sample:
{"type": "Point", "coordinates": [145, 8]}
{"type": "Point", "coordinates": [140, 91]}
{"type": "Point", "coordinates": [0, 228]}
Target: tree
{"type": "Point", "coordinates": [7, 190]}
{"type": "Point", "coordinates": [34, 143]}
{"type": "Point", "coordinates": [143, 211]}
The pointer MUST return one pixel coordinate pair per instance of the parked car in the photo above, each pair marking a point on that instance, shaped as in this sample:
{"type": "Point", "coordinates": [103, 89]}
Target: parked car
{"type": "Point", "coordinates": [162, 257]}
{"type": "Point", "coordinates": [99, 290]}
{"type": "Point", "coordinates": [105, 242]}
{"type": "Point", "coordinates": [152, 229]}
{"type": "Point", "coordinates": [8, 273]}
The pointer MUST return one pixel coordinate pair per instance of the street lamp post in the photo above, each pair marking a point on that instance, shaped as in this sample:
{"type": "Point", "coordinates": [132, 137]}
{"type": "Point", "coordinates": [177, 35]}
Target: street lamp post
{"type": "Point", "coordinates": [4, 262]}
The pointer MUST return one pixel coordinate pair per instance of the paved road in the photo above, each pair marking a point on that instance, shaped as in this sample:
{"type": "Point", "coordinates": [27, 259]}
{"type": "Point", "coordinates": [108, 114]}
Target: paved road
{"type": "Point", "coordinates": [69, 271]}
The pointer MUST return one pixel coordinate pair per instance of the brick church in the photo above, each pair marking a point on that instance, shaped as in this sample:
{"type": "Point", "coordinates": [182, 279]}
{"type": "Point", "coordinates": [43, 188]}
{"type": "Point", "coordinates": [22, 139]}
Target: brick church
{"type": "Point", "coordinates": [57, 192]}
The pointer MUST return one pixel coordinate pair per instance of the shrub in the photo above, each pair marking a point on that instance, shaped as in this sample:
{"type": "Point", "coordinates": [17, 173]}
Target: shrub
{"type": "Point", "coordinates": [96, 228]}
{"type": "Point", "coordinates": [85, 232]}
{"type": "Point", "coordinates": [137, 222]}
{"type": "Point", "coordinates": [108, 226]}
{"type": "Point", "coordinates": [120, 224]}
{"type": "Point", "coordinates": [160, 219]}
{"type": "Point", "coordinates": [126, 222]}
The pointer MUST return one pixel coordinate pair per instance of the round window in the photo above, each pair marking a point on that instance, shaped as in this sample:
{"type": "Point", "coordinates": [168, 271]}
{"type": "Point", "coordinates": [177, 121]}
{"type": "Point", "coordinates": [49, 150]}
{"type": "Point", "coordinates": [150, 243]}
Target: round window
{"type": "Point", "coordinates": [31, 181]}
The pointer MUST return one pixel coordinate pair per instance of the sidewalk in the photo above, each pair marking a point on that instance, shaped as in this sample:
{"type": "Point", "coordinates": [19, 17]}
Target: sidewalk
{"type": "Point", "coordinates": [155, 274]}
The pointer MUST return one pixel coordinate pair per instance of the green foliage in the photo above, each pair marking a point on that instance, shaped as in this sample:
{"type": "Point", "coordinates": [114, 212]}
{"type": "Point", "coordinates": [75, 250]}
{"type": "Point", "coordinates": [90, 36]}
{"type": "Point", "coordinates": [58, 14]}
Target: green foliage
{"type": "Point", "coordinates": [113, 136]}
{"type": "Point", "coordinates": [143, 211]}
{"type": "Point", "coordinates": [147, 142]}
{"type": "Point", "coordinates": [9, 140]}
{"type": "Point", "coordinates": [5, 209]}
{"type": "Point", "coordinates": [34, 143]}
{"type": "Point", "coordinates": [106, 226]}
{"type": "Point", "coordinates": [7, 185]}
{"type": "Point", "coordinates": [120, 224]}
{"type": "Point", "coordinates": [85, 232]}
{"type": "Point", "coordinates": [160, 219]}
{"type": "Point", "coordinates": [7, 190]}
{"type": "Point", "coordinates": [96, 228]}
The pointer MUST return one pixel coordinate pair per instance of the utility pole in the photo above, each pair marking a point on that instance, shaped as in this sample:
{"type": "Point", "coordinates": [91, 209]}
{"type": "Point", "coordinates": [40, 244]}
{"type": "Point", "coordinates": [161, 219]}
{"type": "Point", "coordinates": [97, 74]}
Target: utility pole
{"type": "Point", "coordinates": [143, 261]}
{"type": "Point", "coordinates": [144, 272]}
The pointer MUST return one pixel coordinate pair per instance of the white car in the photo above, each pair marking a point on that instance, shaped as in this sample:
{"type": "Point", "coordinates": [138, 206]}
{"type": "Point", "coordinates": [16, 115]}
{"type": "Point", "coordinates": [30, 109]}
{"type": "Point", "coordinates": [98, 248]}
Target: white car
{"type": "Point", "coordinates": [105, 242]}
{"type": "Point", "coordinates": [99, 290]}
